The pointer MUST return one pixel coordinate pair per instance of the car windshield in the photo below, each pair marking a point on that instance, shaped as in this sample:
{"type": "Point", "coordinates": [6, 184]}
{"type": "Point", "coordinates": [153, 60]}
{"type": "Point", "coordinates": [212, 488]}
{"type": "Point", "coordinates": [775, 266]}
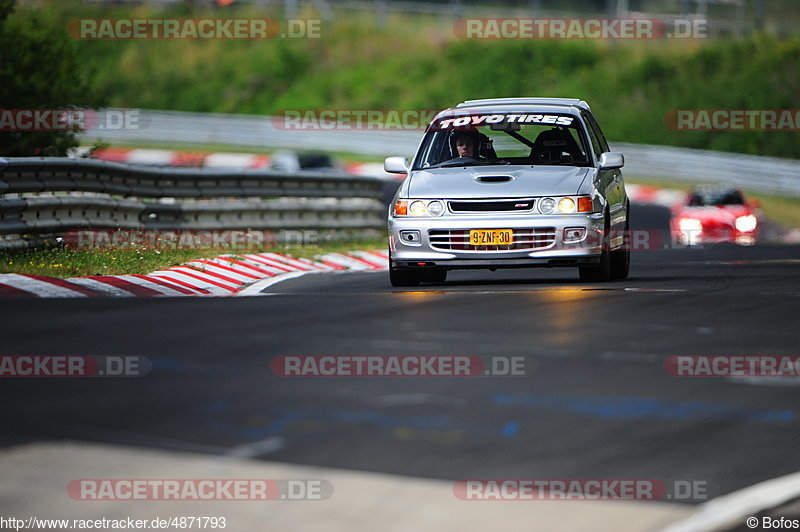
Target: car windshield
{"type": "Point", "coordinates": [716, 198]}
{"type": "Point", "coordinates": [503, 138]}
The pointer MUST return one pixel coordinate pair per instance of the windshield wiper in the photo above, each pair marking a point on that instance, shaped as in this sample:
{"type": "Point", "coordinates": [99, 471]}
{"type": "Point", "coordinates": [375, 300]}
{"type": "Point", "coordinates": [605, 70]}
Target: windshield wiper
{"type": "Point", "coordinates": [451, 164]}
{"type": "Point", "coordinates": [575, 163]}
{"type": "Point", "coordinates": [460, 163]}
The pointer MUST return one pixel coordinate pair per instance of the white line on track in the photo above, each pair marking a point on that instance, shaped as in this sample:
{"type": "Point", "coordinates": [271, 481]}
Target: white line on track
{"type": "Point", "coordinates": [258, 287]}
{"type": "Point", "coordinates": [257, 448]}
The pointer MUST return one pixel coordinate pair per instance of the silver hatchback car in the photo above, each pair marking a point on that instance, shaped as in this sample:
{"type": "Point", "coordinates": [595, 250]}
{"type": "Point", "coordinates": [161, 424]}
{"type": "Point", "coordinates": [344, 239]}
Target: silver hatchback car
{"type": "Point", "coordinates": [511, 182]}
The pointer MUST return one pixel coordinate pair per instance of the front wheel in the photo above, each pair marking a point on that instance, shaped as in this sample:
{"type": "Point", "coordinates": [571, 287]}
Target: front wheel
{"type": "Point", "coordinates": [621, 258]}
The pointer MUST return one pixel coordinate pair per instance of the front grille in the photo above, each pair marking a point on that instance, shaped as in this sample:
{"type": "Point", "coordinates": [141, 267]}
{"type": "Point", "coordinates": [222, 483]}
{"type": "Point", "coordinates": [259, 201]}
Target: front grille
{"type": "Point", "coordinates": [491, 206]}
{"type": "Point", "coordinates": [458, 240]}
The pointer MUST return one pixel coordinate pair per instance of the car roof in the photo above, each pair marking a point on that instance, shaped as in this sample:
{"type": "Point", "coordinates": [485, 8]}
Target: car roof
{"type": "Point", "coordinates": [495, 102]}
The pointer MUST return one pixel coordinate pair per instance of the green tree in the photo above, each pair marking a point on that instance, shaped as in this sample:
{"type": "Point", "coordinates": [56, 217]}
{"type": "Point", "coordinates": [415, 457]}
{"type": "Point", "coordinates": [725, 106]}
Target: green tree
{"type": "Point", "coordinates": [40, 68]}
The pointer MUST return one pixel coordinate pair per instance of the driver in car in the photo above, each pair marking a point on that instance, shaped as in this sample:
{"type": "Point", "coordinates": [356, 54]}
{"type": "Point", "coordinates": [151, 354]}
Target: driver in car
{"type": "Point", "coordinates": [466, 145]}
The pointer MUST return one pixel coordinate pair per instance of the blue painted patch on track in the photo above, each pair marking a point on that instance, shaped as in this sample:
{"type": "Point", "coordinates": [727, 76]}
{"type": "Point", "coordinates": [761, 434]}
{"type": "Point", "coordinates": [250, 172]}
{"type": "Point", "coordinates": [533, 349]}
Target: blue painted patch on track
{"type": "Point", "coordinates": [635, 407]}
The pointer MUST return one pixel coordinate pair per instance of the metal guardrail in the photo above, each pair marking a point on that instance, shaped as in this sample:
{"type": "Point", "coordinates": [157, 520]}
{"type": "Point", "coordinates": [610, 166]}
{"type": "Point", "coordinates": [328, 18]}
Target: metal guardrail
{"type": "Point", "coordinates": [51, 196]}
{"type": "Point", "coordinates": [769, 175]}
{"type": "Point", "coordinates": [36, 174]}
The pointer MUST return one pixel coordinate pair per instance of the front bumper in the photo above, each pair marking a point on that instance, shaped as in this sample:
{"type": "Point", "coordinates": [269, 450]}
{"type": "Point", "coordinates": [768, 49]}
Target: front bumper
{"type": "Point", "coordinates": [548, 252]}
{"type": "Point", "coordinates": [728, 235]}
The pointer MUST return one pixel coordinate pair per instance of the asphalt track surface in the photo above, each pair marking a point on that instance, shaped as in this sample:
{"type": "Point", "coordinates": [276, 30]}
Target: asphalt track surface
{"type": "Point", "coordinates": [595, 401]}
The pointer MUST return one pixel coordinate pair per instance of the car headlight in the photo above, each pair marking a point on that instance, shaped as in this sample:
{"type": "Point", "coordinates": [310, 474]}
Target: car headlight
{"type": "Point", "coordinates": [435, 208]}
{"type": "Point", "coordinates": [418, 208]}
{"type": "Point", "coordinates": [690, 225]}
{"type": "Point", "coordinates": [566, 205]}
{"type": "Point", "coordinates": [547, 206]}
{"type": "Point", "coordinates": [746, 223]}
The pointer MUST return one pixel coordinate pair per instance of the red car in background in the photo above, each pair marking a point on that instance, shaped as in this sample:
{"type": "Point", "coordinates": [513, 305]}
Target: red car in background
{"type": "Point", "coordinates": [712, 215]}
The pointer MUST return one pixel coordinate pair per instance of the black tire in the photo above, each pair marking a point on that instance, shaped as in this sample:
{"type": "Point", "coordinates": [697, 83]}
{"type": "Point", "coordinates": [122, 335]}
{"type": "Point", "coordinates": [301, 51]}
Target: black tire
{"type": "Point", "coordinates": [403, 277]}
{"type": "Point", "coordinates": [436, 275]}
{"type": "Point", "coordinates": [621, 258]}
{"type": "Point", "coordinates": [600, 273]}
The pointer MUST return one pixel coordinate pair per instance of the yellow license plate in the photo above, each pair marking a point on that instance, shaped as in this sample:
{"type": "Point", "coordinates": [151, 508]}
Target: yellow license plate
{"type": "Point", "coordinates": [491, 237]}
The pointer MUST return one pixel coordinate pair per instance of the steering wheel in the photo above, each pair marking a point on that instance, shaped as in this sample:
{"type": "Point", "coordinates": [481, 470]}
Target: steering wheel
{"type": "Point", "coordinates": [456, 161]}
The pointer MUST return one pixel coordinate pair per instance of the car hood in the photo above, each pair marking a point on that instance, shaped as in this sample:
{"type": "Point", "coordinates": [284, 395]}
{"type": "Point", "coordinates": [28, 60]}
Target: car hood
{"type": "Point", "coordinates": [485, 182]}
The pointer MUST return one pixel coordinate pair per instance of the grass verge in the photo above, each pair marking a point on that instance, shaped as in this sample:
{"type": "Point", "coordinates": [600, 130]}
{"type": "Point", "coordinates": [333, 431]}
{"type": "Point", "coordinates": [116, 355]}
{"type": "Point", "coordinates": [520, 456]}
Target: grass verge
{"type": "Point", "coordinates": [67, 262]}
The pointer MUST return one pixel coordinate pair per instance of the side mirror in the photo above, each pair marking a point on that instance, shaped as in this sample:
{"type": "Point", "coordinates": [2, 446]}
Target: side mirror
{"type": "Point", "coordinates": [611, 160]}
{"type": "Point", "coordinates": [396, 165]}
